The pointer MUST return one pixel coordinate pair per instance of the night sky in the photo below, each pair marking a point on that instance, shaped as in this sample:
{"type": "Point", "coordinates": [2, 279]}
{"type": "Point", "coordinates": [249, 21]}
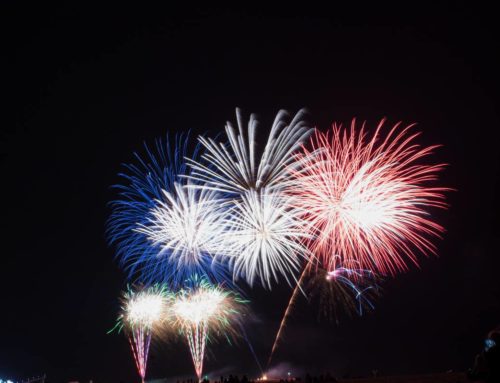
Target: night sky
{"type": "Point", "coordinates": [86, 86]}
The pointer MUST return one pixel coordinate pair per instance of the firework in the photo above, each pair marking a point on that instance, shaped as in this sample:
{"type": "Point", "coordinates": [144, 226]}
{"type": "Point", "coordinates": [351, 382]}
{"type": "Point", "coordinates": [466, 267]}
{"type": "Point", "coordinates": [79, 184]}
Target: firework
{"type": "Point", "coordinates": [368, 199]}
{"type": "Point", "coordinates": [263, 235]}
{"type": "Point", "coordinates": [265, 238]}
{"type": "Point", "coordinates": [202, 311]}
{"type": "Point", "coordinates": [236, 167]}
{"type": "Point", "coordinates": [342, 288]}
{"type": "Point", "coordinates": [288, 310]}
{"type": "Point", "coordinates": [143, 312]}
{"type": "Point", "coordinates": [350, 289]}
{"type": "Point", "coordinates": [187, 228]}
{"type": "Point", "coordinates": [367, 203]}
{"type": "Point", "coordinates": [164, 228]}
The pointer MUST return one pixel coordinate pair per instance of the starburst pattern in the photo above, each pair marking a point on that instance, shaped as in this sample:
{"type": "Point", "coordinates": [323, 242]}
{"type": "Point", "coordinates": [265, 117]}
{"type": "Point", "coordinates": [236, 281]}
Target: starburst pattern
{"type": "Point", "coordinates": [236, 167]}
{"type": "Point", "coordinates": [164, 228]}
{"type": "Point", "coordinates": [266, 238]}
{"type": "Point", "coordinates": [187, 227]}
{"type": "Point", "coordinates": [368, 199]}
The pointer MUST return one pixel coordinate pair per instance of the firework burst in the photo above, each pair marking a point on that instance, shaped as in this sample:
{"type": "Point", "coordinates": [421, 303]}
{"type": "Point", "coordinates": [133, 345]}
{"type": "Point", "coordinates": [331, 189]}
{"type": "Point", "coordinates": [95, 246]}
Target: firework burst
{"type": "Point", "coordinates": [164, 228]}
{"type": "Point", "coordinates": [350, 290]}
{"type": "Point", "coordinates": [266, 238]}
{"type": "Point", "coordinates": [202, 311]}
{"type": "Point", "coordinates": [143, 313]}
{"type": "Point", "coordinates": [368, 199]}
{"type": "Point", "coordinates": [143, 185]}
{"type": "Point", "coordinates": [236, 167]}
{"type": "Point", "coordinates": [187, 228]}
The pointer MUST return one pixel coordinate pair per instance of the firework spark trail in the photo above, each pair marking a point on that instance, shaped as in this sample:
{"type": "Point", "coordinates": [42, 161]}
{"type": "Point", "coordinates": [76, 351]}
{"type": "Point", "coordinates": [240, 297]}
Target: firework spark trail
{"type": "Point", "coordinates": [243, 331]}
{"type": "Point", "coordinates": [368, 199]}
{"type": "Point", "coordinates": [288, 309]}
{"type": "Point", "coordinates": [140, 341]}
{"type": "Point", "coordinates": [348, 277]}
{"type": "Point", "coordinates": [196, 335]}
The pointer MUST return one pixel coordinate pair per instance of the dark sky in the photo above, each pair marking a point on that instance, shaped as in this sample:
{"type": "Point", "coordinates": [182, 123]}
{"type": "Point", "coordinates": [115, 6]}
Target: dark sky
{"type": "Point", "coordinates": [85, 86]}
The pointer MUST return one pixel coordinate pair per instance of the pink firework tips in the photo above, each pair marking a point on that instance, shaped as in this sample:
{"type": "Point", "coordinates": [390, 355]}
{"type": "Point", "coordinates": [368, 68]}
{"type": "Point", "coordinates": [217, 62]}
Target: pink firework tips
{"type": "Point", "coordinates": [368, 199]}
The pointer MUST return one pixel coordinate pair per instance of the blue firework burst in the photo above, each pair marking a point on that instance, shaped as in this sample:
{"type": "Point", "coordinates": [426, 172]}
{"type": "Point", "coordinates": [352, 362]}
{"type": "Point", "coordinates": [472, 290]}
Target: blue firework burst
{"type": "Point", "coordinates": [165, 227]}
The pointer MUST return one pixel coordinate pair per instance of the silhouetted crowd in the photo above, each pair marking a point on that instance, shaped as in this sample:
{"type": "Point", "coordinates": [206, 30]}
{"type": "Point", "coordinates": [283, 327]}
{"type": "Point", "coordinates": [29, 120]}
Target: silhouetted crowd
{"type": "Point", "coordinates": [326, 378]}
{"type": "Point", "coordinates": [223, 379]}
{"type": "Point", "coordinates": [323, 378]}
{"type": "Point", "coordinates": [486, 368]}
{"type": "Point", "coordinates": [233, 379]}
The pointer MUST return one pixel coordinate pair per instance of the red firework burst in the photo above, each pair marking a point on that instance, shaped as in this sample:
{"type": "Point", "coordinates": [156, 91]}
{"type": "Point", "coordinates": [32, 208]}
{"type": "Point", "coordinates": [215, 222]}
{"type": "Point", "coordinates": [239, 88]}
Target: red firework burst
{"type": "Point", "coordinates": [368, 198]}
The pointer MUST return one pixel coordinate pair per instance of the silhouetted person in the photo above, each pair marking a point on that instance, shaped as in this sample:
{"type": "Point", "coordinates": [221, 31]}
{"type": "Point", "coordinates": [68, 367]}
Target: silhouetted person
{"type": "Point", "coordinates": [492, 355]}
{"type": "Point", "coordinates": [487, 362]}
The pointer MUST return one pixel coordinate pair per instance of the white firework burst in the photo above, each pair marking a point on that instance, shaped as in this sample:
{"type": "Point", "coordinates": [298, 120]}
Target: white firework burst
{"type": "Point", "coordinates": [236, 167]}
{"type": "Point", "coordinates": [266, 238]}
{"type": "Point", "coordinates": [188, 227]}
